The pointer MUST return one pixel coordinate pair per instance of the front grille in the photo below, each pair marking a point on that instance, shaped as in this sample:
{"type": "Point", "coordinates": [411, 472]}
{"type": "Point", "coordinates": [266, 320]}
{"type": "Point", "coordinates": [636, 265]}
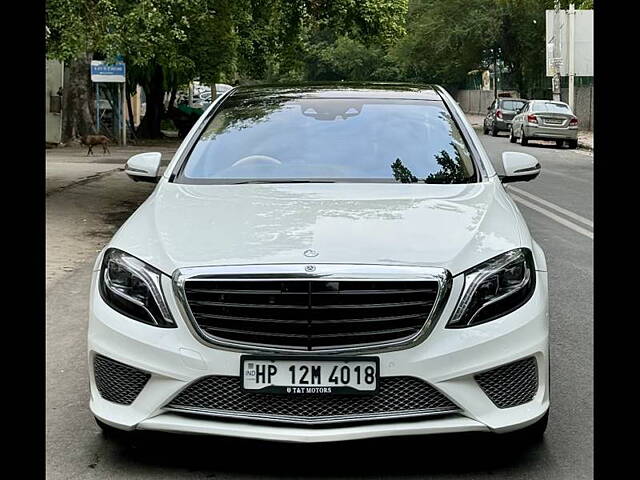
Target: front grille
{"type": "Point", "coordinates": [396, 397]}
{"type": "Point", "coordinates": [512, 384]}
{"type": "Point", "coordinates": [117, 382]}
{"type": "Point", "coordinates": [310, 314]}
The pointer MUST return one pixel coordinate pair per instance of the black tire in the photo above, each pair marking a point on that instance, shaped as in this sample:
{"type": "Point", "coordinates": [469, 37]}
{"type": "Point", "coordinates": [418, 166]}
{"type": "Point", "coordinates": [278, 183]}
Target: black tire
{"type": "Point", "coordinates": [531, 434]}
{"type": "Point", "coordinates": [559, 143]}
{"type": "Point", "coordinates": [524, 141]}
{"type": "Point", "coordinates": [494, 131]}
{"type": "Point", "coordinates": [485, 130]}
{"type": "Point", "coordinates": [112, 432]}
{"type": "Point", "coordinates": [572, 143]}
{"type": "Point", "coordinates": [512, 137]}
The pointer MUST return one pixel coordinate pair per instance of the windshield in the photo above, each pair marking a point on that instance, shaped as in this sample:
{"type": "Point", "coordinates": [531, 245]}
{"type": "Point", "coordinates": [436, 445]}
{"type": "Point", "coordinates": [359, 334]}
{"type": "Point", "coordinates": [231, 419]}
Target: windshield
{"type": "Point", "coordinates": [279, 139]}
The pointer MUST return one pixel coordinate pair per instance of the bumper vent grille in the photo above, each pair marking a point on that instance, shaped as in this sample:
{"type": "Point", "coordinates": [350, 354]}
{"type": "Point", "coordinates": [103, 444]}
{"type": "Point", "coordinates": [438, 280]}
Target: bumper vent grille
{"type": "Point", "coordinates": [512, 384]}
{"type": "Point", "coordinates": [118, 382]}
{"type": "Point", "coordinates": [396, 397]}
{"type": "Point", "coordinates": [310, 315]}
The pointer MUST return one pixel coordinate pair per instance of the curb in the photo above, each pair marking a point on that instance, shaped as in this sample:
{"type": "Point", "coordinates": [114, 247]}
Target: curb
{"type": "Point", "coordinates": [585, 146]}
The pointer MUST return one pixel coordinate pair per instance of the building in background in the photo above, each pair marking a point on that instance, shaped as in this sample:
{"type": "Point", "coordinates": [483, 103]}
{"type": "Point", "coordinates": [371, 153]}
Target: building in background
{"type": "Point", "coordinates": [54, 86]}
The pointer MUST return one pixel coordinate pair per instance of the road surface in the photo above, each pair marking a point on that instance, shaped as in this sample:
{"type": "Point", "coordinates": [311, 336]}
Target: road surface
{"type": "Point", "coordinates": [558, 207]}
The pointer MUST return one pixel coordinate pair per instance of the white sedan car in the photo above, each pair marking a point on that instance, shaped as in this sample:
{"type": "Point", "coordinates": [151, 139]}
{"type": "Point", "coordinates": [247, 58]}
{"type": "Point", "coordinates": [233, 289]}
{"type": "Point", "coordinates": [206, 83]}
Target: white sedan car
{"type": "Point", "coordinates": [322, 263]}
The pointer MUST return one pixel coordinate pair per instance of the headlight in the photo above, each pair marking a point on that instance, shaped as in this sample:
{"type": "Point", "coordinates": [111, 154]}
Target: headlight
{"type": "Point", "coordinates": [133, 288]}
{"type": "Point", "coordinates": [495, 288]}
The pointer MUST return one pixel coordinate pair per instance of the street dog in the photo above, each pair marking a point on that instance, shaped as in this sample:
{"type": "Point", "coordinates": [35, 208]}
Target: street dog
{"type": "Point", "coordinates": [91, 140]}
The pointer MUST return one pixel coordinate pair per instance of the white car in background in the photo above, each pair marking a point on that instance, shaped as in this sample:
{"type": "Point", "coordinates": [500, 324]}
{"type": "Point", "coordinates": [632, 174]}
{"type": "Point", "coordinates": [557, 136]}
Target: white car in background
{"type": "Point", "coordinates": [322, 263]}
{"type": "Point", "coordinates": [545, 120]}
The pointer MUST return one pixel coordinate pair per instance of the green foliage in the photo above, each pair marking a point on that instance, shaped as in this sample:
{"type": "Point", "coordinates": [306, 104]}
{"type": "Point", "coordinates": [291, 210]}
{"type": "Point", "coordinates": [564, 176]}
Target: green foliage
{"type": "Point", "coordinates": [443, 44]}
{"type": "Point", "coordinates": [77, 27]}
{"type": "Point", "coordinates": [172, 42]}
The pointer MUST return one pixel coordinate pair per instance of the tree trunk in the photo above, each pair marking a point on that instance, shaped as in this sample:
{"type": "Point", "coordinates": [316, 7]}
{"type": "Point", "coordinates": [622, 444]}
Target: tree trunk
{"type": "Point", "coordinates": [130, 110]}
{"type": "Point", "coordinates": [154, 90]}
{"type": "Point", "coordinates": [172, 99]}
{"type": "Point", "coordinates": [77, 118]}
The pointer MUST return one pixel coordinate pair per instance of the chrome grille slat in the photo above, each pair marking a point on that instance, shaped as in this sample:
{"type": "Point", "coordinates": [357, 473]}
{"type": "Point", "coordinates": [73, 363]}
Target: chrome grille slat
{"type": "Point", "coordinates": [396, 397]}
{"type": "Point", "coordinates": [316, 314]}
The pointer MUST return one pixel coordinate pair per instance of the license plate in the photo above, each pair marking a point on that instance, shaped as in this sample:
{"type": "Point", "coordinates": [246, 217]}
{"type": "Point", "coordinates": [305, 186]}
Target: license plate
{"type": "Point", "coordinates": [288, 375]}
{"type": "Point", "coordinates": [554, 122]}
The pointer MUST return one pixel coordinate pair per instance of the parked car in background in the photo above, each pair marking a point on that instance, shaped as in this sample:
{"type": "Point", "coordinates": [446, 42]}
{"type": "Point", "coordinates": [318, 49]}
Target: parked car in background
{"type": "Point", "coordinates": [545, 120]}
{"type": "Point", "coordinates": [500, 113]}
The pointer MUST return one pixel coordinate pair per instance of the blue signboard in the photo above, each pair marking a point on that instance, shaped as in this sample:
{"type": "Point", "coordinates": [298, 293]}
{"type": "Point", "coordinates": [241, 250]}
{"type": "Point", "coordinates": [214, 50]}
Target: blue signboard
{"type": "Point", "coordinates": [103, 72]}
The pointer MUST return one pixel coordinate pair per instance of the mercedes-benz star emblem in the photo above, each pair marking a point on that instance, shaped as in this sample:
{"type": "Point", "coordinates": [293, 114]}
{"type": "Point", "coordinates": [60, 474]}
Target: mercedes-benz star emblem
{"type": "Point", "coordinates": [311, 253]}
{"type": "Point", "coordinates": [309, 268]}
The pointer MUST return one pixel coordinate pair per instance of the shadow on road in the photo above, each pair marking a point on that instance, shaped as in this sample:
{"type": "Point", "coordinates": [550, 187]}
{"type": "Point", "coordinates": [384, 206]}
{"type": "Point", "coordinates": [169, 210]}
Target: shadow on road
{"type": "Point", "coordinates": [460, 454]}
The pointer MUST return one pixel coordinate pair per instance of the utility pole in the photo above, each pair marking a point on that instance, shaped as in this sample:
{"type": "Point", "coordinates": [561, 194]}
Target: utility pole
{"type": "Point", "coordinates": [557, 55]}
{"type": "Point", "coordinates": [572, 54]}
{"type": "Point", "coordinates": [495, 74]}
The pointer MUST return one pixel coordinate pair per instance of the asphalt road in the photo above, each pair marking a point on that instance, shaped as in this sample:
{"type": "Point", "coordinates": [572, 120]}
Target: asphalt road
{"type": "Point", "coordinates": [558, 207]}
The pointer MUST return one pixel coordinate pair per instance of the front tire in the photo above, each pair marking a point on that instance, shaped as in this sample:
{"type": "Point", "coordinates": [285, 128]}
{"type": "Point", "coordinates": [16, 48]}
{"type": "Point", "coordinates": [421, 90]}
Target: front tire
{"type": "Point", "coordinates": [524, 141]}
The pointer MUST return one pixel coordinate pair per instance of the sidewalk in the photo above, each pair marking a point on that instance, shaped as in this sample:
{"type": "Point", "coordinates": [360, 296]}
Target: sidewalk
{"type": "Point", "coordinates": [585, 137]}
{"type": "Point", "coordinates": [70, 165]}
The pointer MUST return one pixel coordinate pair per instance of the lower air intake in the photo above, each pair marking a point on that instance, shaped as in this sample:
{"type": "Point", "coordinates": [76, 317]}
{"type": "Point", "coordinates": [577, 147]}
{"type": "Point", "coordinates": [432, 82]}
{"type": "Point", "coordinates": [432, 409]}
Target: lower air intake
{"type": "Point", "coordinates": [396, 397]}
{"type": "Point", "coordinates": [117, 382]}
{"type": "Point", "coordinates": [512, 384]}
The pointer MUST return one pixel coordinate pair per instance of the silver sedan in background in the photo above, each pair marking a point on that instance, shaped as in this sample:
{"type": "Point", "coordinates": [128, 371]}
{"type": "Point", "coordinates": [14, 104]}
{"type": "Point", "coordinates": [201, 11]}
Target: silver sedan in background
{"type": "Point", "coordinates": [545, 120]}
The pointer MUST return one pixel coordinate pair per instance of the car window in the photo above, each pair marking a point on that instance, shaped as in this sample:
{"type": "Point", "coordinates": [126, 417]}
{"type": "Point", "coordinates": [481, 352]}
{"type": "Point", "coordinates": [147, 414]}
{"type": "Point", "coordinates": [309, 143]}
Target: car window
{"type": "Point", "coordinates": [551, 107]}
{"type": "Point", "coordinates": [512, 105]}
{"type": "Point", "coordinates": [343, 139]}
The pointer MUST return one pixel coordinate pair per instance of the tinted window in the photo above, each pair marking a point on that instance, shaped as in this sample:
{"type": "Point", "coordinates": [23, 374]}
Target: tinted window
{"type": "Point", "coordinates": [512, 105]}
{"type": "Point", "coordinates": [284, 138]}
{"type": "Point", "coordinates": [551, 107]}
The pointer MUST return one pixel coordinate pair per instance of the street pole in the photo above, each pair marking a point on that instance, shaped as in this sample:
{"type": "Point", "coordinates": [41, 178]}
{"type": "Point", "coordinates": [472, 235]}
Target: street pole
{"type": "Point", "coordinates": [124, 113]}
{"type": "Point", "coordinates": [97, 108]}
{"type": "Point", "coordinates": [557, 55]}
{"type": "Point", "coordinates": [572, 51]}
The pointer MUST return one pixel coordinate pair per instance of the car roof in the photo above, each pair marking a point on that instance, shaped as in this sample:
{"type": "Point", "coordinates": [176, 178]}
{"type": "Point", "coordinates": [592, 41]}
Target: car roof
{"type": "Point", "coordinates": [341, 90]}
{"type": "Point", "coordinates": [549, 101]}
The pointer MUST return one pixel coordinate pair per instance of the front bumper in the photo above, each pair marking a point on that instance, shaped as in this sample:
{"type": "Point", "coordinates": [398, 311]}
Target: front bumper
{"type": "Point", "coordinates": [447, 359]}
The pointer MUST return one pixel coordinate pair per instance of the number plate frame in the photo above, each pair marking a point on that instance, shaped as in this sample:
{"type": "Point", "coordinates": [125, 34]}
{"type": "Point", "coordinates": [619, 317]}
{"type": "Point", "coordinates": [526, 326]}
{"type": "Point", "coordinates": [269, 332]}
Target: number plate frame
{"type": "Point", "coordinates": [335, 390]}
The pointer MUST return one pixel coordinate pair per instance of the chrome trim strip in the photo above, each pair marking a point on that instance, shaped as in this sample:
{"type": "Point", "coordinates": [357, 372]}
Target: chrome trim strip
{"type": "Point", "coordinates": [313, 420]}
{"type": "Point", "coordinates": [297, 271]}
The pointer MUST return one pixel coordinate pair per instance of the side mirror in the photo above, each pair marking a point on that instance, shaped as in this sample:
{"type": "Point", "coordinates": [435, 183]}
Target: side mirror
{"type": "Point", "coordinates": [519, 167]}
{"type": "Point", "coordinates": [144, 167]}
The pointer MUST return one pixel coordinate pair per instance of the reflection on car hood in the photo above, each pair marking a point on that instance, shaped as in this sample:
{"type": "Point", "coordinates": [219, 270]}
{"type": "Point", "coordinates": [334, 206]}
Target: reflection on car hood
{"type": "Point", "coordinates": [450, 226]}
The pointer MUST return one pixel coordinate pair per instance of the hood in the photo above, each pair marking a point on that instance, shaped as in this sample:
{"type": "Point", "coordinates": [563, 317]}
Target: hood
{"type": "Point", "coordinates": [449, 226]}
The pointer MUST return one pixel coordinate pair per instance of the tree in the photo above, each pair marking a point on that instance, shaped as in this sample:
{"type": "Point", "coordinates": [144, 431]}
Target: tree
{"type": "Point", "coordinates": [76, 30]}
{"type": "Point", "coordinates": [442, 44]}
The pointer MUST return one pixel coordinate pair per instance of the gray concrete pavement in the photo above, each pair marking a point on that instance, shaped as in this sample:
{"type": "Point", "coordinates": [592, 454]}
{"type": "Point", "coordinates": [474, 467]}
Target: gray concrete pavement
{"type": "Point", "coordinates": [82, 216]}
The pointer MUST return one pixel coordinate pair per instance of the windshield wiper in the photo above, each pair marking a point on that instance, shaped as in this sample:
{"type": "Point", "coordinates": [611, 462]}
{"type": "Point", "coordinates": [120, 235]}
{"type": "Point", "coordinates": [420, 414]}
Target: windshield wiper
{"type": "Point", "coordinates": [246, 182]}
